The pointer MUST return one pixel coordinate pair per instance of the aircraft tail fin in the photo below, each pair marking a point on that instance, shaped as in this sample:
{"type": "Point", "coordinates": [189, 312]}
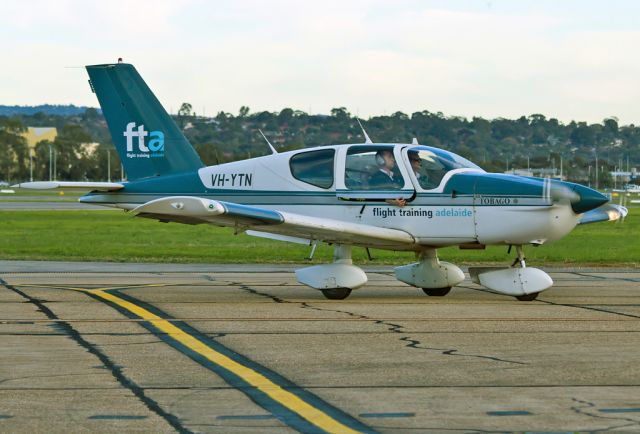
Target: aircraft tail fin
{"type": "Point", "coordinates": [148, 141]}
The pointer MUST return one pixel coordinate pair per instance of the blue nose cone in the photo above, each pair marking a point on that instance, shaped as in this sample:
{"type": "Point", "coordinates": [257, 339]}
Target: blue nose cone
{"type": "Point", "coordinates": [589, 199]}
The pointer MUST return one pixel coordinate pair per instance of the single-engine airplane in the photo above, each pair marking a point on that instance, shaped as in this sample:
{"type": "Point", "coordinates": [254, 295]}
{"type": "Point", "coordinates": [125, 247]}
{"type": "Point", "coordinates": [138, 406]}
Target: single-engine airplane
{"type": "Point", "coordinates": [403, 197]}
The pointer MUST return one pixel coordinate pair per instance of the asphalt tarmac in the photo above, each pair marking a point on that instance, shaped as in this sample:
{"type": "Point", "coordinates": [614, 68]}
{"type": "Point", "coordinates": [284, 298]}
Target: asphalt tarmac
{"type": "Point", "coordinates": [236, 349]}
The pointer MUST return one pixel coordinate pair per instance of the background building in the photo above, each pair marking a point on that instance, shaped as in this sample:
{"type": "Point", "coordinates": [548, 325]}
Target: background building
{"type": "Point", "coordinates": [33, 135]}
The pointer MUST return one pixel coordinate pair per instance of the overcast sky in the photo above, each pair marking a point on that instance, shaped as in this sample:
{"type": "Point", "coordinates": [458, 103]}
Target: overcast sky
{"type": "Point", "coordinates": [566, 59]}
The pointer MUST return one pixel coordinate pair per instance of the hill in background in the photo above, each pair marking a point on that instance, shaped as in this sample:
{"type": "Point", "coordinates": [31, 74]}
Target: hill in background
{"type": "Point", "coordinates": [48, 109]}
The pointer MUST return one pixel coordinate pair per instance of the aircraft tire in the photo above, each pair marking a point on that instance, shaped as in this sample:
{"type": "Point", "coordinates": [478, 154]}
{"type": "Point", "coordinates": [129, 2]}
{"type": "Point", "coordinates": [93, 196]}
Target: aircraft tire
{"type": "Point", "coordinates": [528, 297]}
{"type": "Point", "coordinates": [336, 293]}
{"type": "Point", "coordinates": [437, 292]}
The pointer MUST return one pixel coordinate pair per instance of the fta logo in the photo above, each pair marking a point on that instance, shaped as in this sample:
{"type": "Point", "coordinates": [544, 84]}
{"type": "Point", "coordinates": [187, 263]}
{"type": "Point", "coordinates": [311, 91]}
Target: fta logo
{"type": "Point", "coordinates": [154, 148]}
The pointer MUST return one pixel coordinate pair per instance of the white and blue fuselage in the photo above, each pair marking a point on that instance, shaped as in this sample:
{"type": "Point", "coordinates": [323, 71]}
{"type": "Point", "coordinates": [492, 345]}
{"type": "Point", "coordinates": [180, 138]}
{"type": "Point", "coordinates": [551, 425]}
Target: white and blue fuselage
{"type": "Point", "coordinates": [466, 205]}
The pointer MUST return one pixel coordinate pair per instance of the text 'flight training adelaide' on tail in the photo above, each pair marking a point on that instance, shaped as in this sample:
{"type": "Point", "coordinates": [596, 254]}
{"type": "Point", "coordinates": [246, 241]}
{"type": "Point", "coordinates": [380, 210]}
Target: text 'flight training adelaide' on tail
{"type": "Point", "coordinates": [403, 197]}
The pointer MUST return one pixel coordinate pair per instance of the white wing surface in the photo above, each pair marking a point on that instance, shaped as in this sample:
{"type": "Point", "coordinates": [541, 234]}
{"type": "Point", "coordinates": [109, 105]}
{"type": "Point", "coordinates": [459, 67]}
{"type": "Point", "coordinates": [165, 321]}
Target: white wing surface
{"type": "Point", "coordinates": [195, 210]}
{"type": "Point", "coordinates": [68, 185]}
{"type": "Point", "coordinates": [604, 213]}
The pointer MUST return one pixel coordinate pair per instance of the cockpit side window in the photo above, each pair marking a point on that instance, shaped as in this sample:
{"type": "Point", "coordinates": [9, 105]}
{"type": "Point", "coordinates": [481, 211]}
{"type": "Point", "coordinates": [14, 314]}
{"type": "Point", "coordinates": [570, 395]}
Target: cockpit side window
{"type": "Point", "coordinates": [372, 168]}
{"type": "Point", "coordinates": [314, 167]}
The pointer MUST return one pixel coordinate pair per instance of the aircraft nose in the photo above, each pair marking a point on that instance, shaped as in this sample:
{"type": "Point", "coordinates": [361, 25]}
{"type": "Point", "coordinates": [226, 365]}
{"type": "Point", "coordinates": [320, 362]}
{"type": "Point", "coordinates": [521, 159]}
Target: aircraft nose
{"type": "Point", "coordinates": [589, 199]}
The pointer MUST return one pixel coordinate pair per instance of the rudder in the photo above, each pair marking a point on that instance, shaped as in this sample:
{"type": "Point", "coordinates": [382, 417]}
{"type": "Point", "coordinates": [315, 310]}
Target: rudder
{"type": "Point", "coordinates": [148, 141]}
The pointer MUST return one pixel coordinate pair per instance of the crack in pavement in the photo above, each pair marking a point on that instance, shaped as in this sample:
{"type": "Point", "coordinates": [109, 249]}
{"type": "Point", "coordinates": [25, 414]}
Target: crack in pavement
{"type": "Point", "coordinates": [305, 305]}
{"type": "Point", "coordinates": [261, 294]}
{"type": "Point", "coordinates": [586, 405]}
{"type": "Point", "coordinates": [412, 343]}
{"type": "Point", "coordinates": [29, 377]}
{"type": "Point", "coordinates": [593, 276]}
{"type": "Point", "coordinates": [394, 328]}
{"type": "Point", "coordinates": [596, 309]}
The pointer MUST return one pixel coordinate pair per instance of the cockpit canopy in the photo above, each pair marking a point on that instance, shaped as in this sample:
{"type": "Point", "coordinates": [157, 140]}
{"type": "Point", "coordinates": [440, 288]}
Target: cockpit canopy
{"type": "Point", "coordinates": [376, 167]}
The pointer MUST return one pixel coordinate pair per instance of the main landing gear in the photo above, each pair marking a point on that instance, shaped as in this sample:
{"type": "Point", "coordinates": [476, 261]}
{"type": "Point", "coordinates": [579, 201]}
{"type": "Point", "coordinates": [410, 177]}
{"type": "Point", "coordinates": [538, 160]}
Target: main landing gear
{"type": "Point", "coordinates": [335, 280]}
{"type": "Point", "coordinates": [437, 292]}
{"type": "Point", "coordinates": [522, 282]}
{"type": "Point", "coordinates": [336, 293]}
{"type": "Point", "coordinates": [435, 277]}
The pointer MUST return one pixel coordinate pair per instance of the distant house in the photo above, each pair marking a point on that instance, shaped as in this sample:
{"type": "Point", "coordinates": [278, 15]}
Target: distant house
{"type": "Point", "coordinates": [622, 176]}
{"type": "Point", "coordinates": [33, 135]}
{"type": "Point", "coordinates": [88, 148]}
{"type": "Point", "coordinates": [520, 172]}
{"type": "Point", "coordinates": [539, 173]}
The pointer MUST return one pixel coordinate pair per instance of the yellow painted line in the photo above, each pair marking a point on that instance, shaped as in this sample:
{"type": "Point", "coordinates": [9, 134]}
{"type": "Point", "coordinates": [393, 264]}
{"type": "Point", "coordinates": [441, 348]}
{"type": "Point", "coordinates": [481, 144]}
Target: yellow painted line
{"type": "Point", "coordinates": [254, 378]}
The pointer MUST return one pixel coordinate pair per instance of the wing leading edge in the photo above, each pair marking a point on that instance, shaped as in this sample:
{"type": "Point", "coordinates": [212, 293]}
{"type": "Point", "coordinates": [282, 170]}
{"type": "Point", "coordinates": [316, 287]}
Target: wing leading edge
{"type": "Point", "coordinates": [195, 210]}
{"type": "Point", "coordinates": [604, 213]}
{"type": "Point", "coordinates": [70, 185]}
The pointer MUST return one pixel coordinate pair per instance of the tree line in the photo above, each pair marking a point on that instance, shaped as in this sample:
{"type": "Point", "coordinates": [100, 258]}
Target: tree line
{"type": "Point", "coordinates": [496, 145]}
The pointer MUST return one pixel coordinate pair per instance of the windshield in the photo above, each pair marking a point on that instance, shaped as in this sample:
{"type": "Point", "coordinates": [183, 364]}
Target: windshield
{"type": "Point", "coordinates": [429, 165]}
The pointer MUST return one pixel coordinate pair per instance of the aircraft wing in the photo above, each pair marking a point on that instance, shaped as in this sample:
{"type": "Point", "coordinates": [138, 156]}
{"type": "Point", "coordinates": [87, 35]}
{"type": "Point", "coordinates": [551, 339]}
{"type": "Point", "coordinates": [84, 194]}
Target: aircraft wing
{"type": "Point", "coordinates": [67, 185]}
{"type": "Point", "coordinates": [604, 213]}
{"type": "Point", "coordinates": [195, 210]}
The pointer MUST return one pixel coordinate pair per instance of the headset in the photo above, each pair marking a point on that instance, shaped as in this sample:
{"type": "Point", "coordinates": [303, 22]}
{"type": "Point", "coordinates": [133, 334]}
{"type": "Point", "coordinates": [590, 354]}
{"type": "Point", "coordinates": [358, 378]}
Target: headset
{"type": "Point", "coordinates": [379, 158]}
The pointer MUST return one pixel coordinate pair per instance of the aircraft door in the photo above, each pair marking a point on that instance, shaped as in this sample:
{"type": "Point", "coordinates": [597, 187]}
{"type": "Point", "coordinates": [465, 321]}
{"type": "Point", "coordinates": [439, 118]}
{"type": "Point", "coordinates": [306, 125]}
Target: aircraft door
{"type": "Point", "coordinates": [372, 172]}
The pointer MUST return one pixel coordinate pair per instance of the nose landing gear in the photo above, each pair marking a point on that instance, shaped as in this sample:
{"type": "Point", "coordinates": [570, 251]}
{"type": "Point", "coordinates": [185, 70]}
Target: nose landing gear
{"type": "Point", "coordinates": [520, 259]}
{"type": "Point", "coordinates": [524, 283]}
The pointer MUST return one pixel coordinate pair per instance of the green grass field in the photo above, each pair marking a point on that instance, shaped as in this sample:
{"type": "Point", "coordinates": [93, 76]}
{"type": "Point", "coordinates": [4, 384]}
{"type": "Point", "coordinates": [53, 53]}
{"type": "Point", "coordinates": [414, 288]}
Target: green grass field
{"type": "Point", "coordinates": [23, 193]}
{"type": "Point", "coordinates": [116, 236]}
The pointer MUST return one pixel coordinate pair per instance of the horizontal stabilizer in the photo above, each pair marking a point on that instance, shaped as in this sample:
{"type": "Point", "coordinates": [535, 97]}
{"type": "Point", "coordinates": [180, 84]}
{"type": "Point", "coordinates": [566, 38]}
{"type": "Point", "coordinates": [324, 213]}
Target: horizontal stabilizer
{"type": "Point", "coordinates": [196, 210]}
{"type": "Point", "coordinates": [70, 185]}
{"type": "Point", "coordinates": [604, 213]}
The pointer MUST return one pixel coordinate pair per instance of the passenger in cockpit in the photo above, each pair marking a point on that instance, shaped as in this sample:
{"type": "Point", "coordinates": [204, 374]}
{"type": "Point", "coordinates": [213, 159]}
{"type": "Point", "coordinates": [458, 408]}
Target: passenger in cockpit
{"type": "Point", "coordinates": [416, 164]}
{"type": "Point", "coordinates": [426, 168]}
{"type": "Point", "coordinates": [433, 174]}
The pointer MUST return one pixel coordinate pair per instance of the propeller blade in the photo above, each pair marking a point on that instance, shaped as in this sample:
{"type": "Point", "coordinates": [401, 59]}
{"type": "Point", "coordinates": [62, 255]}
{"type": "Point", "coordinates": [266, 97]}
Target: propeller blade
{"type": "Point", "coordinates": [562, 193]}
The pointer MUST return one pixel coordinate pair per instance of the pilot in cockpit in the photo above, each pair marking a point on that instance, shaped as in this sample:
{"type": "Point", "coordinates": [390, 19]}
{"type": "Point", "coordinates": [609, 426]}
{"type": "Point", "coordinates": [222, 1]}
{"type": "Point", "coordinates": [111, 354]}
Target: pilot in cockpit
{"type": "Point", "coordinates": [386, 177]}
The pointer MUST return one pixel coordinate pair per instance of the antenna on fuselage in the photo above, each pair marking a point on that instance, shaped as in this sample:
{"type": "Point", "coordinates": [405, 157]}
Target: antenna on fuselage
{"type": "Point", "coordinates": [366, 136]}
{"type": "Point", "coordinates": [273, 150]}
{"type": "Point", "coordinates": [415, 141]}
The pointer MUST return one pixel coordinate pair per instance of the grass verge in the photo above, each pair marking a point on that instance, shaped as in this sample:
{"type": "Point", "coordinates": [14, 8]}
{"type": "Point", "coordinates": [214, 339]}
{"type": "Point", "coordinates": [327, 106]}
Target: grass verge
{"type": "Point", "coordinates": [116, 237]}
